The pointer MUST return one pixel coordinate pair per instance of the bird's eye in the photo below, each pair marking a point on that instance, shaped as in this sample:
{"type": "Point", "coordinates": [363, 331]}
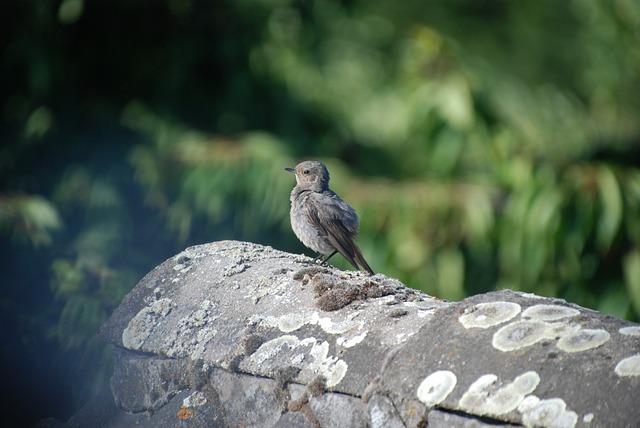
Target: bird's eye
{"type": "Point", "coordinates": [306, 171]}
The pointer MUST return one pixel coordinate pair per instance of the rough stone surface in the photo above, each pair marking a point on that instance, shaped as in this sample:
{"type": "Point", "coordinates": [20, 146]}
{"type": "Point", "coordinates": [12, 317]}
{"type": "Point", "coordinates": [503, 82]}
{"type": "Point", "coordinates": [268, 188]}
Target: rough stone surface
{"type": "Point", "coordinates": [238, 334]}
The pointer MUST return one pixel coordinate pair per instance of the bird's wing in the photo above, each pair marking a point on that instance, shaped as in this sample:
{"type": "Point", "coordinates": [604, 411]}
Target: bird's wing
{"type": "Point", "coordinates": [326, 215]}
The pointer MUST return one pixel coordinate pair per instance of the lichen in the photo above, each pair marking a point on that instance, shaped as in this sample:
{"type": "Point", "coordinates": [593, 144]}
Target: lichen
{"type": "Point", "coordinates": [473, 399]}
{"type": "Point", "coordinates": [519, 334]}
{"type": "Point", "coordinates": [271, 348]}
{"type": "Point", "coordinates": [571, 337]}
{"type": "Point", "coordinates": [196, 399]}
{"type": "Point", "coordinates": [547, 413]}
{"type": "Point", "coordinates": [143, 324]}
{"type": "Point", "coordinates": [583, 340]}
{"type": "Point", "coordinates": [182, 268]}
{"type": "Point", "coordinates": [629, 366]}
{"type": "Point", "coordinates": [348, 343]}
{"type": "Point", "coordinates": [487, 397]}
{"type": "Point", "coordinates": [485, 315]}
{"type": "Point", "coordinates": [235, 268]}
{"type": "Point", "coordinates": [549, 312]}
{"type": "Point", "coordinates": [291, 322]}
{"type": "Point", "coordinates": [331, 368]}
{"type": "Point", "coordinates": [436, 387]}
{"type": "Point", "coordinates": [191, 333]}
{"type": "Point", "coordinates": [630, 331]}
{"type": "Point", "coordinates": [294, 321]}
{"type": "Point", "coordinates": [184, 413]}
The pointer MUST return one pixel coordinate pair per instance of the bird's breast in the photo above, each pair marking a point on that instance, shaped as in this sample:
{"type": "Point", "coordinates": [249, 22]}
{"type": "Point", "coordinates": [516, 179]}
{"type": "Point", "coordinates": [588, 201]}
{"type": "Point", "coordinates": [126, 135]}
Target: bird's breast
{"type": "Point", "coordinates": [306, 231]}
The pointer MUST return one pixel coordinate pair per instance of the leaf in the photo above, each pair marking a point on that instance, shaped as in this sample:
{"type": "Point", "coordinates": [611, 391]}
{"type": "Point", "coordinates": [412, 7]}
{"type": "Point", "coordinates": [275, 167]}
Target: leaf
{"type": "Point", "coordinates": [450, 265]}
{"type": "Point", "coordinates": [631, 267]}
{"type": "Point", "coordinates": [611, 216]}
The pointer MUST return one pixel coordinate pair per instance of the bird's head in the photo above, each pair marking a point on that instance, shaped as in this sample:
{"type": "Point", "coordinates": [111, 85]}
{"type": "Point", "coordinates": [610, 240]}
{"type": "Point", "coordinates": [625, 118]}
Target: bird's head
{"type": "Point", "coordinates": [311, 174]}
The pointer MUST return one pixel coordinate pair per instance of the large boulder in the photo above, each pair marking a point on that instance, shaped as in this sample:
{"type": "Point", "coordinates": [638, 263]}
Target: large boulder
{"type": "Point", "coordinates": [238, 334]}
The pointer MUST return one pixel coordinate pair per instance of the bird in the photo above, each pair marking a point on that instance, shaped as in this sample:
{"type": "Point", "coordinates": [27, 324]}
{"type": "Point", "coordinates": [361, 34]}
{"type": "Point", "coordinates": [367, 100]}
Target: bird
{"type": "Point", "coordinates": [320, 219]}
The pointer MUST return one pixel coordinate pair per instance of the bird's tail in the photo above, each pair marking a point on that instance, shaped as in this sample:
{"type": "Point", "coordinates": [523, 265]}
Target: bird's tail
{"type": "Point", "coordinates": [360, 259]}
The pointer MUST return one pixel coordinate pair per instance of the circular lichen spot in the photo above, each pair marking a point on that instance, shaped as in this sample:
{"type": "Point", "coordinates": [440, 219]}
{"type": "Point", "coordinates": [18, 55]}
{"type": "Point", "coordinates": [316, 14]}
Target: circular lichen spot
{"type": "Point", "coordinates": [583, 340]}
{"type": "Point", "coordinates": [549, 312]}
{"type": "Point", "coordinates": [630, 331]}
{"type": "Point", "coordinates": [549, 413]}
{"type": "Point", "coordinates": [291, 322]}
{"type": "Point", "coordinates": [484, 315]}
{"type": "Point", "coordinates": [519, 334]}
{"type": "Point", "coordinates": [529, 402]}
{"type": "Point", "coordinates": [436, 387]}
{"type": "Point", "coordinates": [508, 397]}
{"type": "Point", "coordinates": [473, 400]}
{"type": "Point", "coordinates": [629, 366]}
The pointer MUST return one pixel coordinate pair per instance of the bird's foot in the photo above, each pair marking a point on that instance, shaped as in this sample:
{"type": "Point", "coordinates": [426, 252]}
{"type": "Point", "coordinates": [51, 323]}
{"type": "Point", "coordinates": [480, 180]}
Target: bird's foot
{"type": "Point", "coordinates": [320, 261]}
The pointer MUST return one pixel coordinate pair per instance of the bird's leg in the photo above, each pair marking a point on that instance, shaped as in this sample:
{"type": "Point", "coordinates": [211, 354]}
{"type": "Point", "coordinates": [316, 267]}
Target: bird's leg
{"type": "Point", "coordinates": [329, 256]}
{"type": "Point", "coordinates": [324, 262]}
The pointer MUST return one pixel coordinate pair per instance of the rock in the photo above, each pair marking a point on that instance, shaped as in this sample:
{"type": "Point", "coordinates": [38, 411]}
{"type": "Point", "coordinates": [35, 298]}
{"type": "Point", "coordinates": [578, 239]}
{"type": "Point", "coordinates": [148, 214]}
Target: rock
{"type": "Point", "coordinates": [238, 334]}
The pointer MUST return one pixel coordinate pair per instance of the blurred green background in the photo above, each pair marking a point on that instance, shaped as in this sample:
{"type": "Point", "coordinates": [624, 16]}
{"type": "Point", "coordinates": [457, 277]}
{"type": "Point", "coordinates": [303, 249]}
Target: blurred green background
{"type": "Point", "coordinates": [484, 144]}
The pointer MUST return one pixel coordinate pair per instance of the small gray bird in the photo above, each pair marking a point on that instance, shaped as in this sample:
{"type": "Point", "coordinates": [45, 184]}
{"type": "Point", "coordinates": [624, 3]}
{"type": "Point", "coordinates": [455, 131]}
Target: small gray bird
{"type": "Point", "coordinates": [320, 219]}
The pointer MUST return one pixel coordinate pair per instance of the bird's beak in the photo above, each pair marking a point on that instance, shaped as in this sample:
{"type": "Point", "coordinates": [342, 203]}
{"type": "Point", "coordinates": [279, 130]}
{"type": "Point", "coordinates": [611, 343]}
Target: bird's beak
{"type": "Point", "coordinates": [290, 169]}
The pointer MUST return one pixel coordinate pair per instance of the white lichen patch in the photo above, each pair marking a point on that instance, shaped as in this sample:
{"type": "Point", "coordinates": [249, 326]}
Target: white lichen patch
{"type": "Point", "coordinates": [196, 399]}
{"type": "Point", "coordinates": [529, 295]}
{"type": "Point", "coordinates": [292, 322]}
{"type": "Point", "coordinates": [551, 413]}
{"type": "Point", "coordinates": [630, 366]}
{"type": "Point", "coordinates": [182, 268]}
{"type": "Point", "coordinates": [205, 335]}
{"type": "Point", "coordinates": [485, 315]}
{"type": "Point", "coordinates": [487, 396]}
{"type": "Point", "coordinates": [549, 312]}
{"type": "Point", "coordinates": [570, 336]}
{"type": "Point", "coordinates": [141, 326]}
{"type": "Point", "coordinates": [333, 327]}
{"type": "Point", "coordinates": [271, 348]}
{"type": "Point", "coordinates": [435, 388]}
{"type": "Point", "coordinates": [191, 333]}
{"type": "Point", "coordinates": [331, 368]}
{"type": "Point", "coordinates": [520, 334]}
{"type": "Point", "coordinates": [474, 397]}
{"type": "Point", "coordinates": [529, 403]}
{"type": "Point", "coordinates": [511, 395]}
{"type": "Point", "coordinates": [630, 331]}
{"type": "Point", "coordinates": [353, 341]}
{"type": "Point", "coordinates": [423, 313]}
{"type": "Point", "coordinates": [583, 340]}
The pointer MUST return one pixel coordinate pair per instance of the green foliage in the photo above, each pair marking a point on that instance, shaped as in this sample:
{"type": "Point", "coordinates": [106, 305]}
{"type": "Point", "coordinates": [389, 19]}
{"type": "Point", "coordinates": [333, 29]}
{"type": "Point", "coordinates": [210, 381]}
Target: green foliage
{"type": "Point", "coordinates": [232, 183]}
{"type": "Point", "coordinates": [93, 274]}
{"type": "Point", "coordinates": [484, 144]}
{"type": "Point", "coordinates": [28, 218]}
